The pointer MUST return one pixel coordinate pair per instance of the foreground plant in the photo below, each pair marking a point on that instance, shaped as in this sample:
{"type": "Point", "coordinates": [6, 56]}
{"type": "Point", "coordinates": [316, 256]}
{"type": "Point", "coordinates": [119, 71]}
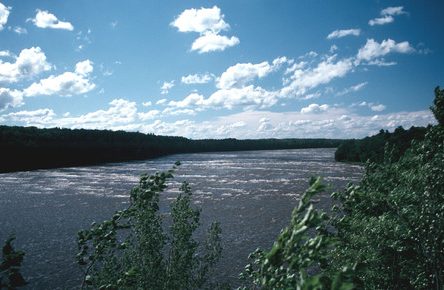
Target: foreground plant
{"type": "Point", "coordinates": [299, 256]}
{"type": "Point", "coordinates": [10, 276]}
{"type": "Point", "coordinates": [133, 251]}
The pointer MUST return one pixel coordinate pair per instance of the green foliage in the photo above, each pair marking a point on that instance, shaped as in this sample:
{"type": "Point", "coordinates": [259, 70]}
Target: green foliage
{"type": "Point", "coordinates": [10, 276]}
{"type": "Point", "coordinates": [438, 106]}
{"type": "Point", "coordinates": [133, 251]}
{"type": "Point", "coordinates": [372, 148]}
{"type": "Point", "coordinates": [393, 222]}
{"type": "Point", "coordinates": [300, 255]}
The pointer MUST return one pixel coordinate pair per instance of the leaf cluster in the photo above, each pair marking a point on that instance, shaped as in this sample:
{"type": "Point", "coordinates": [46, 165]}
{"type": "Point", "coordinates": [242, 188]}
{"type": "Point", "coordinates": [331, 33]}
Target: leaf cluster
{"type": "Point", "coordinates": [133, 250]}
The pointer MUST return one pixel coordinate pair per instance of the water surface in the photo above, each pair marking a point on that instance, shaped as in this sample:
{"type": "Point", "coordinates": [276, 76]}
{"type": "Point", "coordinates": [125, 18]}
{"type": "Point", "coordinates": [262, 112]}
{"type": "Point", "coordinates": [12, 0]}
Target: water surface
{"type": "Point", "coordinates": [251, 194]}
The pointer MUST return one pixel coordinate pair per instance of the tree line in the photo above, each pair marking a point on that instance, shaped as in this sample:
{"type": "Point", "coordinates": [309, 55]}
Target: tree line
{"type": "Point", "coordinates": [27, 148]}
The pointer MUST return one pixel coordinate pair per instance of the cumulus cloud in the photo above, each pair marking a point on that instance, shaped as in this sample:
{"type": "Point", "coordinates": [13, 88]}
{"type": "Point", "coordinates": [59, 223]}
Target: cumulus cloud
{"type": "Point", "coordinates": [148, 115]}
{"type": "Point", "coordinates": [314, 108]}
{"type": "Point", "coordinates": [5, 53]}
{"type": "Point", "coordinates": [197, 79]}
{"type": "Point", "coordinates": [65, 84]}
{"type": "Point", "coordinates": [387, 15]}
{"type": "Point", "coordinates": [84, 67]}
{"type": "Point", "coordinates": [302, 79]}
{"type": "Point", "coordinates": [4, 14]}
{"type": "Point", "coordinates": [377, 108]}
{"type": "Point", "coordinates": [201, 20]}
{"type": "Point", "coordinates": [241, 74]}
{"type": "Point", "coordinates": [166, 87]}
{"type": "Point", "coordinates": [343, 33]}
{"type": "Point", "coordinates": [248, 96]}
{"type": "Point", "coordinates": [208, 22]}
{"type": "Point", "coordinates": [10, 98]}
{"type": "Point", "coordinates": [334, 122]}
{"type": "Point", "coordinates": [120, 112]}
{"type": "Point", "coordinates": [210, 41]}
{"type": "Point", "coordinates": [192, 99]}
{"type": "Point", "coordinates": [29, 63]}
{"type": "Point", "coordinates": [372, 49]}
{"type": "Point", "coordinates": [372, 106]}
{"type": "Point", "coordinates": [45, 19]}
{"type": "Point", "coordinates": [161, 102]}
{"type": "Point", "coordinates": [40, 116]}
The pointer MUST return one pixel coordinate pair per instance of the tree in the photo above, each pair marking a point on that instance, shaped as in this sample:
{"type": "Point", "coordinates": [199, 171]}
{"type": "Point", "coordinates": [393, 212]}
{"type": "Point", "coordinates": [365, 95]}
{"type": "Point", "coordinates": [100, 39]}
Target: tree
{"type": "Point", "coordinates": [438, 105]}
{"type": "Point", "coordinates": [132, 250]}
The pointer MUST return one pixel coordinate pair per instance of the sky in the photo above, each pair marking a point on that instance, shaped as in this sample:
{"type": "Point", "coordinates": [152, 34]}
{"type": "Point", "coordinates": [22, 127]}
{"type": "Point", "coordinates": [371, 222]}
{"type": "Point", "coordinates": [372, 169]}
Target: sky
{"type": "Point", "coordinates": [221, 69]}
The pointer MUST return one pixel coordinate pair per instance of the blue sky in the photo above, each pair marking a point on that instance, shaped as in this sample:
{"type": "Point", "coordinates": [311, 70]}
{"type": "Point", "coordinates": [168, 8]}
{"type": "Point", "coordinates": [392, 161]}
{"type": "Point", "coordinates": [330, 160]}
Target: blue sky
{"type": "Point", "coordinates": [218, 69]}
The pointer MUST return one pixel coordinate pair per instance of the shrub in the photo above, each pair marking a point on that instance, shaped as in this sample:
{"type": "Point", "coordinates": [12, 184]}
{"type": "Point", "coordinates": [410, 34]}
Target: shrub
{"type": "Point", "coordinates": [133, 251]}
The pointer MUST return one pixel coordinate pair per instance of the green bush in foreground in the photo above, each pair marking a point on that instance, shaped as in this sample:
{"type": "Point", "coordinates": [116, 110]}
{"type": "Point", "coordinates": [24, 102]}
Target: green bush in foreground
{"type": "Point", "coordinates": [300, 255]}
{"type": "Point", "coordinates": [132, 250]}
{"type": "Point", "coordinates": [10, 276]}
{"type": "Point", "coordinates": [393, 221]}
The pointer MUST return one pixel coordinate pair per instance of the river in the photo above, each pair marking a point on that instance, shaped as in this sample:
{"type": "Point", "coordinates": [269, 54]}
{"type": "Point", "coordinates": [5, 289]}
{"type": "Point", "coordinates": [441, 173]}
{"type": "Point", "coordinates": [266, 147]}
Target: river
{"type": "Point", "coordinates": [251, 193]}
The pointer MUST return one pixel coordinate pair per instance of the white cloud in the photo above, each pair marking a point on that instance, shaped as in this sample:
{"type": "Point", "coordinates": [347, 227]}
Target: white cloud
{"type": "Point", "coordinates": [332, 123]}
{"type": "Point", "coordinates": [372, 49]}
{"type": "Point", "coordinates": [161, 102]}
{"type": "Point", "coordinates": [40, 116]}
{"type": "Point", "coordinates": [10, 98]}
{"type": "Point", "coordinates": [29, 63]}
{"type": "Point", "coordinates": [120, 112]}
{"type": "Point", "coordinates": [147, 104]}
{"type": "Point", "coordinates": [45, 19]}
{"type": "Point", "coordinates": [174, 111]}
{"type": "Point", "coordinates": [19, 30]}
{"type": "Point", "coordinates": [377, 108]}
{"type": "Point", "coordinates": [4, 14]}
{"type": "Point", "coordinates": [381, 62]}
{"type": "Point", "coordinates": [241, 74]}
{"type": "Point", "coordinates": [304, 79]}
{"type": "Point", "coordinates": [66, 84]}
{"type": "Point", "coordinates": [393, 11]}
{"type": "Point", "coordinates": [249, 96]}
{"type": "Point", "coordinates": [343, 33]}
{"type": "Point", "coordinates": [166, 87]}
{"type": "Point", "coordinates": [5, 53]}
{"type": "Point", "coordinates": [208, 22]}
{"type": "Point", "coordinates": [314, 108]}
{"type": "Point", "coordinates": [197, 79]}
{"type": "Point", "coordinates": [387, 16]}
{"type": "Point", "coordinates": [84, 67]}
{"type": "Point", "coordinates": [192, 99]}
{"type": "Point", "coordinates": [201, 20]}
{"type": "Point", "coordinates": [352, 89]}
{"type": "Point", "coordinates": [381, 20]}
{"type": "Point", "coordinates": [211, 41]}
{"type": "Point", "coordinates": [148, 115]}
{"type": "Point", "coordinates": [372, 106]}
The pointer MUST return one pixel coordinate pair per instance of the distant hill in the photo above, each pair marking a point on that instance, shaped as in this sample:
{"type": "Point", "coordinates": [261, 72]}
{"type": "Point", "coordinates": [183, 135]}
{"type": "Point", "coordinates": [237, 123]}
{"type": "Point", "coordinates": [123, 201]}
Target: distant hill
{"type": "Point", "coordinates": [28, 148]}
{"type": "Point", "coordinates": [372, 148]}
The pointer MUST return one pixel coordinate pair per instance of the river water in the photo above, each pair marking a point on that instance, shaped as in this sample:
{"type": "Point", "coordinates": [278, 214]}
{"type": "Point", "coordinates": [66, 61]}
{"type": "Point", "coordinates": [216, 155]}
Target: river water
{"type": "Point", "coordinates": [251, 193]}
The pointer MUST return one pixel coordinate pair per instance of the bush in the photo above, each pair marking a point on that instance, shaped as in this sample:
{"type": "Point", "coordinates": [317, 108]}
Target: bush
{"type": "Point", "coordinates": [10, 276]}
{"type": "Point", "coordinates": [132, 250]}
